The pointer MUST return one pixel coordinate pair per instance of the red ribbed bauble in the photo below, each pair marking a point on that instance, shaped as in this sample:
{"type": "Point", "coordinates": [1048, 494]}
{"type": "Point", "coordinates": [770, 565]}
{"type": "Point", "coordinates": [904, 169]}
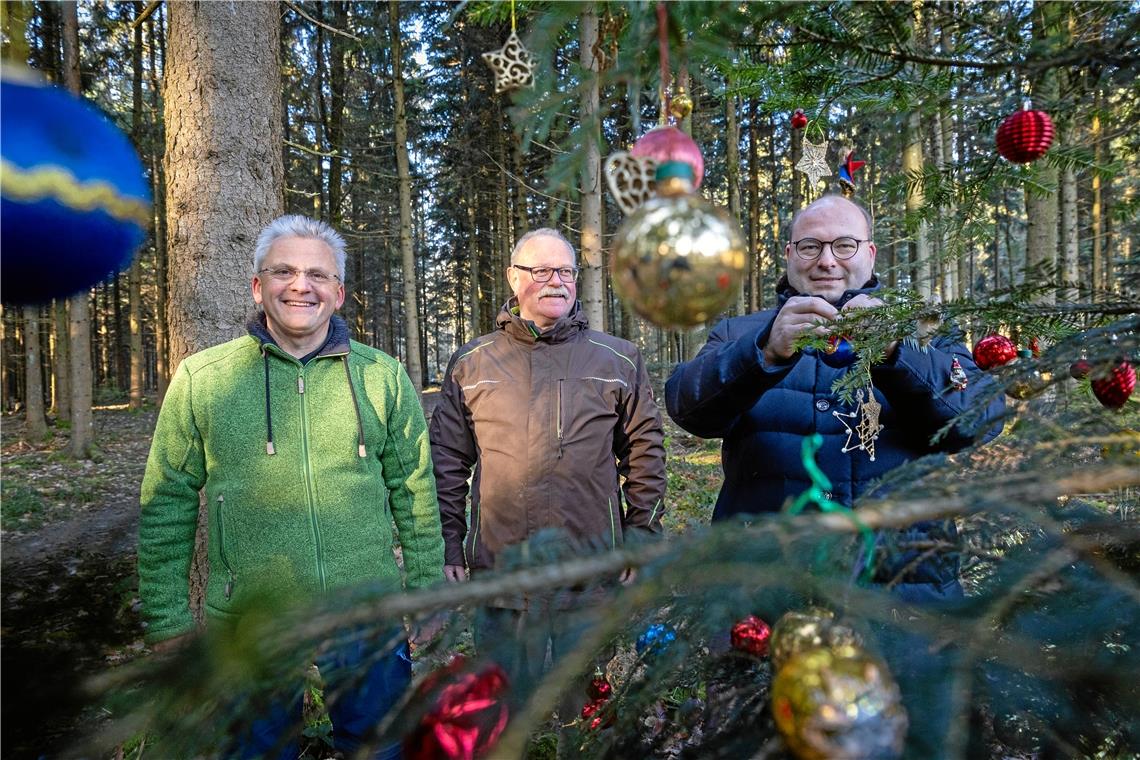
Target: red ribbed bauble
{"type": "Point", "coordinates": [1114, 389]}
{"type": "Point", "coordinates": [664, 144]}
{"type": "Point", "coordinates": [751, 635]}
{"type": "Point", "coordinates": [994, 351]}
{"type": "Point", "coordinates": [468, 715]}
{"type": "Point", "coordinates": [1025, 136]}
{"type": "Point", "coordinates": [599, 688]}
{"type": "Point", "coordinates": [799, 119]}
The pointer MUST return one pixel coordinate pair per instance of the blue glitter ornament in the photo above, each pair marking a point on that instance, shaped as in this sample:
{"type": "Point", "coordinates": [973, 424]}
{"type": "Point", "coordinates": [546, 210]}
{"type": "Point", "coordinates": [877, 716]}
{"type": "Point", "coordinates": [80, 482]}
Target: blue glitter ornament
{"type": "Point", "coordinates": [74, 202]}
{"type": "Point", "coordinates": [839, 353]}
{"type": "Point", "coordinates": [656, 639]}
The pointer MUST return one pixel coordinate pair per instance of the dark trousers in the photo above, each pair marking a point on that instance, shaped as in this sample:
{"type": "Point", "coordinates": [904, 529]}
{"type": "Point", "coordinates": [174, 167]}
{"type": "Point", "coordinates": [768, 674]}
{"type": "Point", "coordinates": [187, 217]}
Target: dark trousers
{"type": "Point", "coordinates": [361, 686]}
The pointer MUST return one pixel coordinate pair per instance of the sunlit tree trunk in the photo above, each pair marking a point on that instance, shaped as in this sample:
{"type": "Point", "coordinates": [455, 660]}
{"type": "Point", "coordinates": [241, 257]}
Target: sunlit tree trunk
{"type": "Point", "coordinates": [753, 205]}
{"type": "Point", "coordinates": [732, 168]}
{"type": "Point", "coordinates": [407, 255]}
{"type": "Point", "coordinates": [1041, 208]}
{"type": "Point", "coordinates": [592, 289]}
{"type": "Point", "coordinates": [134, 278]}
{"type": "Point", "coordinates": [35, 424]}
{"type": "Point", "coordinates": [1096, 213]}
{"type": "Point", "coordinates": [60, 361]}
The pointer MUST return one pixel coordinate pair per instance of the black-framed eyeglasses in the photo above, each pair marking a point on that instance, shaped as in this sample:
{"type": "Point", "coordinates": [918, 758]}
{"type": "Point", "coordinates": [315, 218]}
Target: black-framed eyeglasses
{"type": "Point", "coordinates": [289, 274]}
{"type": "Point", "coordinates": [543, 274]}
{"type": "Point", "coordinates": [841, 247]}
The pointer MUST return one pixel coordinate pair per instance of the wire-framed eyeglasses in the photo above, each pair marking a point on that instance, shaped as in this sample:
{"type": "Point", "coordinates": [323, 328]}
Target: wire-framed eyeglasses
{"type": "Point", "coordinates": [543, 274]}
{"type": "Point", "coordinates": [841, 247]}
{"type": "Point", "coordinates": [289, 274]}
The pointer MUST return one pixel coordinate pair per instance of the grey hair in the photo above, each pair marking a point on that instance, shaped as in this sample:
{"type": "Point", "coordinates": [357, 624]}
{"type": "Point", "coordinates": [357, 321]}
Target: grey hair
{"type": "Point", "coordinates": [295, 225]}
{"type": "Point", "coordinates": [542, 232]}
{"type": "Point", "coordinates": [829, 199]}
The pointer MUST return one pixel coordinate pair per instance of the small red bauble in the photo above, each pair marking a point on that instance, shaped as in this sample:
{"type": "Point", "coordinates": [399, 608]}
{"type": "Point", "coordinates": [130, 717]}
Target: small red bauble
{"type": "Point", "coordinates": [1079, 369]}
{"type": "Point", "coordinates": [1114, 389]}
{"type": "Point", "coordinates": [468, 715]}
{"type": "Point", "coordinates": [751, 635]}
{"type": "Point", "coordinates": [594, 711]}
{"type": "Point", "coordinates": [799, 119]}
{"type": "Point", "coordinates": [994, 351]}
{"type": "Point", "coordinates": [671, 144]}
{"type": "Point", "coordinates": [1025, 136]}
{"type": "Point", "coordinates": [599, 688]}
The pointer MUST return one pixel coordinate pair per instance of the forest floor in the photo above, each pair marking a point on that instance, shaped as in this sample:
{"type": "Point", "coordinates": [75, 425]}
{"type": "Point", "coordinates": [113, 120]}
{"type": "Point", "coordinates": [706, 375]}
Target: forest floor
{"type": "Point", "coordinates": [68, 541]}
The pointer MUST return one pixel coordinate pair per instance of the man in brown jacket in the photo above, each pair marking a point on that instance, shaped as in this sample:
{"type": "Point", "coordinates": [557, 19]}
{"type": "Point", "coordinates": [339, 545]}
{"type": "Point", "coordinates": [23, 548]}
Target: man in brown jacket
{"type": "Point", "coordinates": [561, 428]}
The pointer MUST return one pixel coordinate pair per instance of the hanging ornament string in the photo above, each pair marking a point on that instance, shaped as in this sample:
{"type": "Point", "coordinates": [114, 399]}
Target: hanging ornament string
{"type": "Point", "coordinates": [512, 16]}
{"type": "Point", "coordinates": [817, 494]}
{"type": "Point", "coordinates": [663, 61]}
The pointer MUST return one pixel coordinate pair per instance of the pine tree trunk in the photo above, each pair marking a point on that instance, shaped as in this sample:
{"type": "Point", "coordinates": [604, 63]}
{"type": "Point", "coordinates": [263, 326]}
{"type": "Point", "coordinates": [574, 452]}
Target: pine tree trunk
{"type": "Point", "coordinates": [224, 177]}
{"type": "Point", "coordinates": [1041, 209]}
{"type": "Point", "coordinates": [912, 169]}
{"type": "Point", "coordinates": [407, 256]}
{"type": "Point", "coordinates": [79, 313]}
{"type": "Point", "coordinates": [134, 278]}
{"type": "Point", "coordinates": [35, 424]}
{"type": "Point", "coordinates": [1097, 211]}
{"type": "Point", "coordinates": [732, 168]}
{"type": "Point", "coordinates": [60, 362]}
{"type": "Point", "coordinates": [754, 253]}
{"type": "Point", "coordinates": [591, 291]}
{"type": "Point", "coordinates": [158, 184]}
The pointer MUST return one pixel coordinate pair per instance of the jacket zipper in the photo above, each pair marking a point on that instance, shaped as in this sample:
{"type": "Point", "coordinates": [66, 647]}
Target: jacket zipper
{"type": "Point", "coordinates": [559, 420]}
{"type": "Point", "coordinates": [229, 588]}
{"type": "Point", "coordinates": [314, 523]}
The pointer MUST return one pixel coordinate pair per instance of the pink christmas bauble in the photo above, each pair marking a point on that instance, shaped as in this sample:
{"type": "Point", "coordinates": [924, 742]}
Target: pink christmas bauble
{"type": "Point", "coordinates": [671, 144]}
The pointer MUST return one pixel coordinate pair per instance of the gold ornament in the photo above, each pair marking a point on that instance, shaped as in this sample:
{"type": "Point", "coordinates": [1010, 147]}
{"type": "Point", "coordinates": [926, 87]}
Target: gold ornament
{"type": "Point", "coordinates": [814, 161]}
{"type": "Point", "coordinates": [838, 703]}
{"type": "Point", "coordinates": [797, 632]}
{"type": "Point", "coordinates": [677, 261]}
{"type": "Point", "coordinates": [1028, 386]}
{"type": "Point", "coordinates": [513, 65]}
{"type": "Point", "coordinates": [680, 105]}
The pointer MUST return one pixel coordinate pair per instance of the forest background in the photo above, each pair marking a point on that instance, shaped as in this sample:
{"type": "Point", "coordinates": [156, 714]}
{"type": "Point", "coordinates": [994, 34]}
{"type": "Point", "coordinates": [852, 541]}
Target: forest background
{"type": "Point", "coordinates": [382, 119]}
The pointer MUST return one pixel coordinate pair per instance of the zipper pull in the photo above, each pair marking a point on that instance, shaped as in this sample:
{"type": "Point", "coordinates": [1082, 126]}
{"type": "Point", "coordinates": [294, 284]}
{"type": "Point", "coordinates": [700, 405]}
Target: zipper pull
{"type": "Point", "coordinates": [229, 590]}
{"type": "Point", "coordinates": [300, 384]}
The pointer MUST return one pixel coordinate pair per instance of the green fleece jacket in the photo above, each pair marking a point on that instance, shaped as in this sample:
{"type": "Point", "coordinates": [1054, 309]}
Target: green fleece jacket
{"type": "Point", "coordinates": [314, 515]}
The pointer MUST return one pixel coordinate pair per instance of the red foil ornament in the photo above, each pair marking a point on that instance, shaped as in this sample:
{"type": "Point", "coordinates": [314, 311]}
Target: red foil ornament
{"type": "Point", "coordinates": [994, 351]}
{"type": "Point", "coordinates": [1025, 136]}
{"type": "Point", "coordinates": [751, 635]}
{"type": "Point", "coordinates": [799, 119]}
{"type": "Point", "coordinates": [595, 712]}
{"type": "Point", "coordinates": [468, 716]}
{"type": "Point", "coordinates": [599, 688]}
{"type": "Point", "coordinates": [671, 144]}
{"type": "Point", "coordinates": [1114, 389]}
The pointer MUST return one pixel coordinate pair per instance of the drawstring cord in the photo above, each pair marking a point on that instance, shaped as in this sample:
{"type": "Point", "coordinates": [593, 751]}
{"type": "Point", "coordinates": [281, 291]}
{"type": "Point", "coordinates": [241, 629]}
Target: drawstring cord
{"type": "Point", "coordinates": [269, 449]}
{"type": "Point", "coordinates": [356, 408]}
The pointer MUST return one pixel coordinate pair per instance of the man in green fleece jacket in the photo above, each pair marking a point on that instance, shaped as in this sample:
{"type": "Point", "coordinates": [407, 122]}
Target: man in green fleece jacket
{"type": "Point", "coordinates": [308, 445]}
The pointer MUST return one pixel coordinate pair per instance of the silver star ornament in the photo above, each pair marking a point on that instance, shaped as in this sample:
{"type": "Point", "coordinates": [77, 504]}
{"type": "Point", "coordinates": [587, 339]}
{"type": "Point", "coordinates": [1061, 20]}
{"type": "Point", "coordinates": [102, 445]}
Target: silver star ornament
{"type": "Point", "coordinates": [513, 65]}
{"type": "Point", "coordinates": [814, 161]}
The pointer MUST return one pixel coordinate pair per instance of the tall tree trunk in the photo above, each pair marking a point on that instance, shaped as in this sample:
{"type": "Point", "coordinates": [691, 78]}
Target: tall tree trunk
{"type": "Point", "coordinates": [592, 290]}
{"type": "Point", "coordinates": [1097, 211]}
{"type": "Point", "coordinates": [158, 183]}
{"type": "Point", "coordinates": [1041, 208]}
{"type": "Point", "coordinates": [407, 256]}
{"type": "Point", "coordinates": [754, 204]}
{"type": "Point", "coordinates": [336, 113]}
{"type": "Point", "coordinates": [912, 165]}
{"type": "Point", "coordinates": [732, 168]}
{"type": "Point", "coordinates": [60, 362]}
{"type": "Point", "coordinates": [134, 278]}
{"type": "Point", "coordinates": [224, 177]}
{"type": "Point", "coordinates": [79, 313]}
{"type": "Point", "coordinates": [35, 424]}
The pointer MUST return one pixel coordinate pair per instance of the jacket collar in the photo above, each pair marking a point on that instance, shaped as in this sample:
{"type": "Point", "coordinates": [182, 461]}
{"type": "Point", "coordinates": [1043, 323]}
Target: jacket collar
{"type": "Point", "coordinates": [335, 345]}
{"type": "Point", "coordinates": [784, 290]}
{"type": "Point", "coordinates": [564, 329]}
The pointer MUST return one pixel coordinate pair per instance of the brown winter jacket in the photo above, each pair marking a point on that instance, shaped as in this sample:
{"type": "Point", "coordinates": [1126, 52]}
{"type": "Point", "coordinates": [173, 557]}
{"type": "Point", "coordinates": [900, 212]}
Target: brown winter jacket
{"type": "Point", "coordinates": [549, 422]}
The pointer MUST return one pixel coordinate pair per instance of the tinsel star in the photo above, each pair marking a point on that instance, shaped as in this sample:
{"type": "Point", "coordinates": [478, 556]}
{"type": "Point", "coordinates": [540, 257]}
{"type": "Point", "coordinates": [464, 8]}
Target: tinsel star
{"type": "Point", "coordinates": [513, 65]}
{"type": "Point", "coordinates": [814, 161]}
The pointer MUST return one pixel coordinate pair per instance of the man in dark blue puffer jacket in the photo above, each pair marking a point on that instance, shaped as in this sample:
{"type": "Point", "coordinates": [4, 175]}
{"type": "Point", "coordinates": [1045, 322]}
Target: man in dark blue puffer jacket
{"type": "Point", "coordinates": [751, 388]}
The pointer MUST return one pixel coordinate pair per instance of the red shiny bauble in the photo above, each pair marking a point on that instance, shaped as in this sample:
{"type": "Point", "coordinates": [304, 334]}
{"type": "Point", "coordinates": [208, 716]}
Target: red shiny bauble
{"type": "Point", "coordinates": [468, 715]}
{"type": "Point", "coordinates": [1025, 136]}
{"type": "Point", "coordinates": [799, 119]}
{"type": "Point", "coordinates": [599, 688]}
{"type": "Point", "coordinates": [595, 712]}
{"type": "Point", "coordinates": [1114, 389]}
{"type": "Point", "coordinates": [751, 635]}
{"type": "Point", "coordinates": [671, 144]}
{"type": "Point", "coordinates": [994, 351]}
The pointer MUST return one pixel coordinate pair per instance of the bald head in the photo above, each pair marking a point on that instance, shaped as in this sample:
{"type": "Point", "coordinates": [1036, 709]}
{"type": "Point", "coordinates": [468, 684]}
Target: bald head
{"type": "Point", "coordinates": [824, 274]}
{"type": "Point", "coordinates": [826, 205]}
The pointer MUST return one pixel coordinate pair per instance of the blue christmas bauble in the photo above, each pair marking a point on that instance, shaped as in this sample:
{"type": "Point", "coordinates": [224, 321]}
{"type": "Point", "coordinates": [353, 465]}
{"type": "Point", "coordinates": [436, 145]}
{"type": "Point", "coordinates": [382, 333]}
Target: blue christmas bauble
{"type": "Point", "coordinates": [656, 639]}
{"type": "Point", "coordinates": [839, 353]}
{"type": "Point", "coordinates": [74, 202]}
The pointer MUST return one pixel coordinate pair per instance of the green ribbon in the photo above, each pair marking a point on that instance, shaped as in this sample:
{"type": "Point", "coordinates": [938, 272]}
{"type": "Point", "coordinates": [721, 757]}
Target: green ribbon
{"type": "Point", "coordinates": [817, 494]}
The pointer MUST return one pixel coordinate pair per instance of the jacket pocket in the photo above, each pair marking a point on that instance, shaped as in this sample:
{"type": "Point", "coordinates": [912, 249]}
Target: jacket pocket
{"type": "Point", "coordinates": [231, 576]}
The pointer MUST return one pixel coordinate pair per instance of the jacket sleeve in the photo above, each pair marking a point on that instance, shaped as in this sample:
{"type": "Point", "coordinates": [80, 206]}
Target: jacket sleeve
{"type": "Point", "coordinates": [707, 395]}
{"type": "Point", "coordinates": [640, 450]}
{"type": "Point", "coordinates": [453, 454]}
{"type": "Point", "coordinates": [917, 383]}
{"type": "Point", "coordinates": [175, 472]}
{"type": "Point", "coordinates": [411, 488]}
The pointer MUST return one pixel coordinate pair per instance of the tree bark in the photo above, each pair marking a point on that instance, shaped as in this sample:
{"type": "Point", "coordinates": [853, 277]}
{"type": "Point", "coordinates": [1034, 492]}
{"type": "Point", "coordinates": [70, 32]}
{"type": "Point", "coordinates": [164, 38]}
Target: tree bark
{"type": "Point", "coordinates": [60, 362]}
{"type": "Point", "coordinates": [1041, 209]}
{"type": "Point", "coordinates": [592, 290]}
{"type": "Point", "coordinates": [35, 424]}
{"type": "Point", "coordinates": [134, 278]}
{"type": "Point", "coordinates": [732, 168]}
{"type": "Point", "coordinates": [407, 255]}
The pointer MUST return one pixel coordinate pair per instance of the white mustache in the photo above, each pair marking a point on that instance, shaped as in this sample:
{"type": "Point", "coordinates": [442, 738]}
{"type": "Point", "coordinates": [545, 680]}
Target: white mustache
{"type": "Point", "coordinates": [549, 291]}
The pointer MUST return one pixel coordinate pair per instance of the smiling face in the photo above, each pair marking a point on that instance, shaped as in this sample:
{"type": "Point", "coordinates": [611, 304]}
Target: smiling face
{"type": "Point", "coordinates": [543, 303]}
{"type": "Point", "coordinates": [297, 312]}
{"type": "Point", "coordinates": [827, 219]}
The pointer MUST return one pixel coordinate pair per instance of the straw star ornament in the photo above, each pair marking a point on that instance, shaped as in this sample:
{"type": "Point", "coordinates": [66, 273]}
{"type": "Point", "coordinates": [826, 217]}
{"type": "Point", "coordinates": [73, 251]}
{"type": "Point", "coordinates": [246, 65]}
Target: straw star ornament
{"type": "Point", "coordinates": [814, 161]}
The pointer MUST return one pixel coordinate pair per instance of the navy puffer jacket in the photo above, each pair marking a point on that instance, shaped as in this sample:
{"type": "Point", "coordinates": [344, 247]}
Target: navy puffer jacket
{"type": "Point", "coordinates": [763, 413]}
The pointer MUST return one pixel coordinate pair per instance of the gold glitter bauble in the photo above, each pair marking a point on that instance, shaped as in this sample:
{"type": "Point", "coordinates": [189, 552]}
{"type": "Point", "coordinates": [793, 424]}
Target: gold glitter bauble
{"type": "Point", "coordinates": [680, 105]}
{"type": "Point", "coordinates": [799, 631]}
{"type": "Point", "coordinates": [677, 260]}
{"type": "Point", "coordinates": [838, 703]}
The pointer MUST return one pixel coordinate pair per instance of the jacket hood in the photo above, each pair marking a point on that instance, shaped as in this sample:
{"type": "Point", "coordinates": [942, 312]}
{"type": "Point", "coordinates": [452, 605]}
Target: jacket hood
{"type": "Point", "coordinates": [511, 322]}
{"type": "Point", "coordinates": [784, 290]}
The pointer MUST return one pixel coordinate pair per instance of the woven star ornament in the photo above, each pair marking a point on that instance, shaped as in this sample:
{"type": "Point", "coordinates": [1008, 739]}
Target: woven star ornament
{"type": "Point", "coordinates": [814, 161]}
{"type": "Point", "coordinates": [513, 65]}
